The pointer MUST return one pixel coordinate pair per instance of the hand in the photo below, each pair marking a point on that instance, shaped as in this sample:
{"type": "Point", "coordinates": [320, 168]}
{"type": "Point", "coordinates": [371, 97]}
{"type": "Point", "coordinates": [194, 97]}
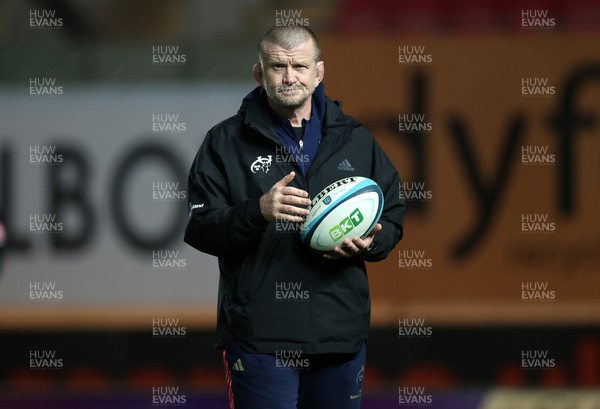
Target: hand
{"type": "Point", "coordinates": [282, 202]}
{"type": "Point", "coordinates": [354, 247]}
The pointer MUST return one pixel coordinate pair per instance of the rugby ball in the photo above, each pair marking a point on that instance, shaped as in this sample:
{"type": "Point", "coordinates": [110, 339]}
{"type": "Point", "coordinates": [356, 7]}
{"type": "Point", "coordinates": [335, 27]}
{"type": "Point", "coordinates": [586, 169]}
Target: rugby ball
{"type": "Point", "coordinates": [347, 208]}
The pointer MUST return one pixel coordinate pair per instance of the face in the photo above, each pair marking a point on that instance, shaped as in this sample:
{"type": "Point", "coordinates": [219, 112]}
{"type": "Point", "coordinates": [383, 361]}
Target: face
{"type": "Point", "coordinates": [289, 76]}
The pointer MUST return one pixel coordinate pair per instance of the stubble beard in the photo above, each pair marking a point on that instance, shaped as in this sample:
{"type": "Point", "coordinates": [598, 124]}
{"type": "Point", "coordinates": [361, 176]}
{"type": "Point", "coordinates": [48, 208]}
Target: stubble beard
{"type": "Point", "coordinates": [289, 96]}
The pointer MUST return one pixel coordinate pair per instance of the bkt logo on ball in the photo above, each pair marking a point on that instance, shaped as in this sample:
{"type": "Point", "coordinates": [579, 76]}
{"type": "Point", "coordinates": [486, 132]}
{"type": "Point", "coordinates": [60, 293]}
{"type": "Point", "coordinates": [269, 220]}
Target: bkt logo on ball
{"type": "Point", "coordinates": [346, 225]}
{"type": "Point", "coordinates": [347, 208]}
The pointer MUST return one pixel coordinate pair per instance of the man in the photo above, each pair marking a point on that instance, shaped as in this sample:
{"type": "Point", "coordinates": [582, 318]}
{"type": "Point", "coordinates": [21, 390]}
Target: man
{"type": "Point", "coordinates": [249, 189]}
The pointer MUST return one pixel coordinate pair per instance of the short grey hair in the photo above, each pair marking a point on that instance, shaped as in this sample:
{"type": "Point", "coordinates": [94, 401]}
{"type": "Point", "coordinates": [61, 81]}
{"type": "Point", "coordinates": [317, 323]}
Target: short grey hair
{"type": "Point", "coordinates": [288, 37]}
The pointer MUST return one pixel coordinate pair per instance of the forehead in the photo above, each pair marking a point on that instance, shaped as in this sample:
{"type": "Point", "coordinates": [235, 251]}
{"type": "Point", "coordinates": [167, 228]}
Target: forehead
{"type": "Point", "coordinates": [275, 52]}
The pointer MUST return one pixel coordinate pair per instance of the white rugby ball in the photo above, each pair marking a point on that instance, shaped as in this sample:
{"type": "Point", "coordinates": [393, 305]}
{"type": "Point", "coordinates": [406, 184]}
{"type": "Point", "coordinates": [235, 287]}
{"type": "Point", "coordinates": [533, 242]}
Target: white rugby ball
{"type": "Point", "coordinates": [347, 208]}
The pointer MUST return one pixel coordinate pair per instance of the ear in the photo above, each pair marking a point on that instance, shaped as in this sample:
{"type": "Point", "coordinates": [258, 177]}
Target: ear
{"type": "Point", "coordinates": [320, 72]}
{"type": "Point", "coordinates": [258, 74]}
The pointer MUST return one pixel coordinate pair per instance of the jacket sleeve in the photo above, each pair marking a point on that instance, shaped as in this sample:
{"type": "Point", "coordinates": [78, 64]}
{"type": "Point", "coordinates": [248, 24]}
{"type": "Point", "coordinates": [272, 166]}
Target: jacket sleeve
{"type": "Point", "coordinates": [215, 225]}
{"type": "Point", "coordinates": [392, 216]}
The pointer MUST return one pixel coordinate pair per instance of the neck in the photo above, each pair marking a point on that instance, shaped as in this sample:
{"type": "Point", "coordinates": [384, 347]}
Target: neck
{"type": "Point", "coordinates": [294, 114]}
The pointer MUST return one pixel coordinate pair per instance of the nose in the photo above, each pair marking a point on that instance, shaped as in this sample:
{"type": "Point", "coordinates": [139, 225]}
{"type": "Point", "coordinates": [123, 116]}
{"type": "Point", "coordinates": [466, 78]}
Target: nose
{"type": "Point", "coordinates": [289, 77]}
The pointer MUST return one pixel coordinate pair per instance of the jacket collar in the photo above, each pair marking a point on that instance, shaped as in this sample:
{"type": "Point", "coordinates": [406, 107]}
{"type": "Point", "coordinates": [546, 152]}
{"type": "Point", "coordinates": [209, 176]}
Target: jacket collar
{"type": "Point", "coordinates": [256, 114]}
{"type": "Point", "coordinates": [255, 111]}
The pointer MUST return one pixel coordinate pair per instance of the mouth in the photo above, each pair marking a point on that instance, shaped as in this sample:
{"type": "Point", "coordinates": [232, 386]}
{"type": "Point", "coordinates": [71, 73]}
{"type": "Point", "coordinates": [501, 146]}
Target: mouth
{"type": "Point", "coordinates": [289, 91]}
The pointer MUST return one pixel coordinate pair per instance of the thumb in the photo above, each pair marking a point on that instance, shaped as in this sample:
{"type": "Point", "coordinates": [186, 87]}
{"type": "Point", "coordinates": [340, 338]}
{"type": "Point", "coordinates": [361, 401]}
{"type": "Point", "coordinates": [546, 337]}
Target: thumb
{"type": "Point", "coordinates": [375, 230]}
{"type": "Point", "coordinates": [284, 181]}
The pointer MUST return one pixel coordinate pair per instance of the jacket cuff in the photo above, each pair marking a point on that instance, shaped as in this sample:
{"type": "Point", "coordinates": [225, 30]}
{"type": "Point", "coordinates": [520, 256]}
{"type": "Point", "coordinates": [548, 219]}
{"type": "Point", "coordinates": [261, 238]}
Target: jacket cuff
{"type": "Point", "coordinates": [370, 250]}
{"type": "Point", "coordinates": [254, 215]}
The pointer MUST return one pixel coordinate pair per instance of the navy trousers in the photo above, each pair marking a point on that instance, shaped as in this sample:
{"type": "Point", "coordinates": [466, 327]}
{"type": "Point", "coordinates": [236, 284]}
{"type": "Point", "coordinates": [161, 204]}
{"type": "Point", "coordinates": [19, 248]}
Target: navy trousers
{"type": "Point", "coordinates": [290, 380]}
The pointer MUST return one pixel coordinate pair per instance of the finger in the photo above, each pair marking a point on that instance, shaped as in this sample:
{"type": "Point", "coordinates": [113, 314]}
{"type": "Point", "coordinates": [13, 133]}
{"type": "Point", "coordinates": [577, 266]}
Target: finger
{"type": "Point", "coordinates": [375, 230]}
{"type": "Point", "coordinates": [362, 244]}
{"type": "Point", "coordinates": [341, 252]}
{"type": "Point", "coordinates": [300, 211]}
{"type": "Point", "coordinates": [350, 246]}
{"type": "Point", "coordinates": [336, 254]}
{"type": "Point", "coordinates": [295, 200]}
{"type": "Point", "coordinates": [284, 181]}
{"type": "Point", "coordinates": [293, 210]}
{"type": "Point", "coordinates": [292, 191]}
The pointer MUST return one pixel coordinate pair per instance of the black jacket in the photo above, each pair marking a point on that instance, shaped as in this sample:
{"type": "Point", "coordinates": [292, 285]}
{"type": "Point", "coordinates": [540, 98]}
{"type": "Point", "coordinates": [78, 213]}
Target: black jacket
{"type": "Point", "coordinates": [274, 293]}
